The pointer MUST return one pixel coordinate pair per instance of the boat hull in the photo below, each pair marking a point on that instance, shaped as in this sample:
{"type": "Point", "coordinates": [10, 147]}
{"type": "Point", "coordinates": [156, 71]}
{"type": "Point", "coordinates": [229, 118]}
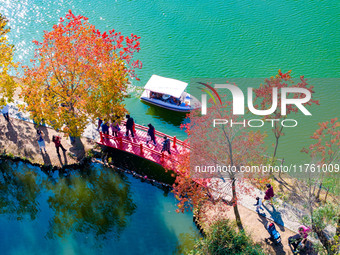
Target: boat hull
{"type": "Point", "coordinates": [168, 106]}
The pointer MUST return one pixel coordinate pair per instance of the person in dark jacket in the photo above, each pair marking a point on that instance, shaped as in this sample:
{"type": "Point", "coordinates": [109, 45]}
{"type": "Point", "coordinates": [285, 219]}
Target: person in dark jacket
{"type": "Point", "coordinates": [105, 127]}
{"type": "Point", "coordinates": [166, 145]}
{"type": "Point", "coordinates": [269, 194]}
{"type": "Point", "coordinates": [100, 121]}
{"type": "Point", "coordinates": [129, 126]}
{"type": "Point", "coordinates": [151, 133]}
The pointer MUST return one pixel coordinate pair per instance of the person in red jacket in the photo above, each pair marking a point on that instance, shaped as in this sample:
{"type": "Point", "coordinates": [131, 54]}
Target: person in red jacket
{"type": "Point", "coordinates": [269, 193]}
{"type": "Point", "coordinates": [57, 143]}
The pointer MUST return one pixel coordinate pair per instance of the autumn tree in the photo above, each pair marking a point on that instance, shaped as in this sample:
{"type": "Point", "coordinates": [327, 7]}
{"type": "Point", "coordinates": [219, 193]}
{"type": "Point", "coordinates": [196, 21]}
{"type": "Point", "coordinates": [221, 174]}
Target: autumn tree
{"type": "Point", "coordinates": [225, 144]}
{"type": "Point", "coordinates": [325, 149]}
{"type": "Point", "coordinates": [79, 74]}
{"type": "Point", "coordinates": [7, 84]}
{"type": "Point", "coordinates": [264, 96]}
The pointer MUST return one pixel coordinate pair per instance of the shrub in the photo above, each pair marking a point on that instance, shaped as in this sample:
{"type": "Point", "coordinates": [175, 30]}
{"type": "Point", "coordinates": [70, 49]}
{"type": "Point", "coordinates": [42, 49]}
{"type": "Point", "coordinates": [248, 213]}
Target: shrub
{"type": "Point", "coordinates": [223, 238]}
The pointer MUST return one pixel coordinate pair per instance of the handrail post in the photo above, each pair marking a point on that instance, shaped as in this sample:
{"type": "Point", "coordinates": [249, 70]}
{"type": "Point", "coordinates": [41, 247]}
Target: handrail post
{"type": "Point", "coordinates": [175, 140]}
{"type": "Point", "coordinates": [120, 139]}
{"type": "Point", "coordinates": [101, 137]}
{"type": "Point", "coordinates": [141, 149]}
{"type": "Point", "coordinates": [162, 158]}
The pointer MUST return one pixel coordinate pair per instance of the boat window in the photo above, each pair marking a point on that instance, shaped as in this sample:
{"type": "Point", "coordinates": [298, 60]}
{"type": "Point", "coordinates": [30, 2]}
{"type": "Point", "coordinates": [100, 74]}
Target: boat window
{"type": "Point", "coordinates": [165, 97]}
{"type": "Point", "coordinates": [155, 95]}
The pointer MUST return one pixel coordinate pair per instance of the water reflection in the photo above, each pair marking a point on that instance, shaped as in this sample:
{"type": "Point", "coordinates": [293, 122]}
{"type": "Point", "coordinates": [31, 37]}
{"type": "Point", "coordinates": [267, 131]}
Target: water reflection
{"type": "Point", "coordinates": [97, 202]}
{"type": "Point", "coordinates": [171, 117]}
{"type": "Point", "coordinates": [18, 192]}
{"type": "Point", "coordinates": [88, 211]}
{"type": "Point", "coordinates": [92, 201]}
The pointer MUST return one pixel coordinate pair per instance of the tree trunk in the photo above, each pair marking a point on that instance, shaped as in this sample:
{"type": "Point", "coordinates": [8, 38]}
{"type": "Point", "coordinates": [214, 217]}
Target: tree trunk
{"type": "Point", "coordinates": [323, 239]}
{"type": "Point", "coordinates": [275, 150]}
{"type": "Point", "coordinates": [236, 212]}
{"type": "Point", "coordinates": [338, 227]}
{"type": "Point", "coordinates": [318, 194]}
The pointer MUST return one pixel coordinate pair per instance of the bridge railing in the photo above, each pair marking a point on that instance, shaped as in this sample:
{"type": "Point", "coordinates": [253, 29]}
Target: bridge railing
{"type": "Point", "coordinates": [173, 139]}
{"type": "Point", "coordinates": [120, 140]}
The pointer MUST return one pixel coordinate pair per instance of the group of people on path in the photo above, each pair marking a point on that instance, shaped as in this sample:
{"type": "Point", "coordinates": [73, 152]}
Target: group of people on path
{"type": "Point", "coordinates": [40, 136]}
{"type": "Point", "coordinates": [269, 194]}
{"type": "Point", "coordinates": [55, 139]}
{"type": "Point", "coordinates": [105, 126]}
{"type": "Point", "coordinates": [298, 241]}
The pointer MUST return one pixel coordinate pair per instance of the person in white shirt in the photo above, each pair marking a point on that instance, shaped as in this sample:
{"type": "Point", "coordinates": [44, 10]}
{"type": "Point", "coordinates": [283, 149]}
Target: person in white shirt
{"type": "Point", "coordinates": [5, 110]}
{"type": "Point", "coordinates": [258, 204]}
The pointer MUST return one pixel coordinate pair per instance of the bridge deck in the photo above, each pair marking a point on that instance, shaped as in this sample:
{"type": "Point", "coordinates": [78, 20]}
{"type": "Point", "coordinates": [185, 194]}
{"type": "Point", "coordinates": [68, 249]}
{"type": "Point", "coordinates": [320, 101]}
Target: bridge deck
{"type": "Point", "coordinates": [138, 146]}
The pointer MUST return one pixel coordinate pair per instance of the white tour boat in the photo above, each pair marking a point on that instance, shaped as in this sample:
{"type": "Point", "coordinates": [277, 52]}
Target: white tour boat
{"type": "Point", "coordinates": [170, 94]}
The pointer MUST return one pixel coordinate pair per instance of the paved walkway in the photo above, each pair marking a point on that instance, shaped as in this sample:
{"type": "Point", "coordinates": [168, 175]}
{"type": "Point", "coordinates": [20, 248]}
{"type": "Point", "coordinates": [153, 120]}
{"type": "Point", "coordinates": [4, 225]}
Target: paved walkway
{"type": "Point", "coordinates": [281, 213]}
{"type": "Point", "coordinates": [254, 225]}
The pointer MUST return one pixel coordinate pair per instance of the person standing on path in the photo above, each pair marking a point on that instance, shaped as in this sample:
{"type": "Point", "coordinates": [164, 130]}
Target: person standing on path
{"type": "Point", "coordinates": [166, 145]}
{"type": "Point", "coordinates": [57, 142]}
{"type": "Point", "coordinates": [269, 194]}
{"type": "Point", "coordinates": [41, 141]}
{"type": "Point", "coordinates": [151, 133]}
{"type": "Point", "coordinates": [129, 126]}
{"type": "Point", "coordinates": [5, 110]}
{"type": "Point", "coordinates": [99, 123]}
{"type": "Point", "coordinates": [258, 204]}
{"type": "Point", "coordinates": [299, 241]}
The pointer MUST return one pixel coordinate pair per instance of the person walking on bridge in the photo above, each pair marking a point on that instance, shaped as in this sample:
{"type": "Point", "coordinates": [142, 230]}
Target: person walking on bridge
{"type": "Point", "coordinates": [166, 145]}
{"type": "Point", "coordinates": [129, 126]}
{"type": "Point", "coordinates": [151, 134]}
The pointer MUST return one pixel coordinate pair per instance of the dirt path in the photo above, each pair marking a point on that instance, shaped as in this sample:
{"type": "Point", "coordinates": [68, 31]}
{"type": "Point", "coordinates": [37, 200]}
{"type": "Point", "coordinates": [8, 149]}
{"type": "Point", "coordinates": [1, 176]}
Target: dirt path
{"type": "Point", "coordinates": [254, 225]}
{"type": "Point", "coordinates": [19, 138]}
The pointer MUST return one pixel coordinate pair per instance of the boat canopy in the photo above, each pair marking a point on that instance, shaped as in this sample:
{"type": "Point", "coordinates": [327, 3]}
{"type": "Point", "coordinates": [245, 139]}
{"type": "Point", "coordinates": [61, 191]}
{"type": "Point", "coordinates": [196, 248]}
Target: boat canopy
{"type": "Point", "coordinates": [167, 86]}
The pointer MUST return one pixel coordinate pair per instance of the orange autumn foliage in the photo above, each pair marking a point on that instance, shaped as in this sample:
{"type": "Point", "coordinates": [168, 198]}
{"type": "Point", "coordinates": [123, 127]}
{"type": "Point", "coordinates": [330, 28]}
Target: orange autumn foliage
{"type": "Point", "coordinates": [7, 84]}
{"type": "Point", "coordinates": [79, 74]}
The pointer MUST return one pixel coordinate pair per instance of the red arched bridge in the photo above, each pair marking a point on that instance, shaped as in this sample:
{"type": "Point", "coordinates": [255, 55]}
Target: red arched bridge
{"type": "Point", "coordinates": [138, 146]}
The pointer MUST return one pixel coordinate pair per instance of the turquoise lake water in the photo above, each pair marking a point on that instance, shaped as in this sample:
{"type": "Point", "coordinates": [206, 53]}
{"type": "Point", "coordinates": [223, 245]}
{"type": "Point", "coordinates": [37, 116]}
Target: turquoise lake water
{"type": "Point", "coordinates": [207, 39]}
{"type": "Point", "coordinates": [88, 211]}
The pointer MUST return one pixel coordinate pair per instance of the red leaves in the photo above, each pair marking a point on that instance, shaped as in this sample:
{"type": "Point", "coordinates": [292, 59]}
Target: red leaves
{"type": "Point", "coordinates": [325, 148]}
{"type": "Point", "coordinates": [36, 42]}
{"type": "Point", "coordinates": [72, 33]}
{"type": "Point", "coordinates": [285, 76]}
